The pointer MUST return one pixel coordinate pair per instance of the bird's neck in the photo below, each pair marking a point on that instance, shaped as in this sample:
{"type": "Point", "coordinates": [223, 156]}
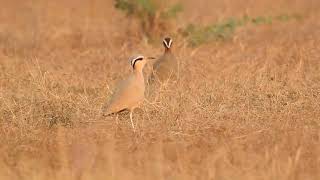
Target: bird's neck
{"type": "Point", "coordinates": [167, 50]}
{"type": "Point", "coordinates": [138, 75]}
{"type": "Point", "coordinates": [138, 72]}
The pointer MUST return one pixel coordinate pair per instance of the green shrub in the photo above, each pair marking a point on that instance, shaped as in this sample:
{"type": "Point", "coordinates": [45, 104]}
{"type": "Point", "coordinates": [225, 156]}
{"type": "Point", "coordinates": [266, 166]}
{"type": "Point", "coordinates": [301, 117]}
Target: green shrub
{"type": "Point", "coordinates": [153, 17]}
{"type": "Point", "coordinates": [223, 30]}
{"type": "Point", "coordinates": [219, 31]}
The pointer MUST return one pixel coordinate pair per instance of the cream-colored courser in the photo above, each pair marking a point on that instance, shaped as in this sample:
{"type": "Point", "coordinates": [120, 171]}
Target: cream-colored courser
{"type": "Point", "coordinates": [166, 67]}
{"type": "Point", "coordinates": [130, 92]}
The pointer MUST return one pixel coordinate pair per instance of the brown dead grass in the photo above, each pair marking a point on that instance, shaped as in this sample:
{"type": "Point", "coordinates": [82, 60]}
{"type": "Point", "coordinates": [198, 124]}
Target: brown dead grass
{"type": "Point", "coordinates": [247, 108]}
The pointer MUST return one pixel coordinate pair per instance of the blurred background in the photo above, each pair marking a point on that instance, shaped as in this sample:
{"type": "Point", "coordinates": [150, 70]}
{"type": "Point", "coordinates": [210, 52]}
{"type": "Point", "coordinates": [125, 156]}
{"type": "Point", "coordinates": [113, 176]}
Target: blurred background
{"type": "Point", "coordinates": [44, 25]}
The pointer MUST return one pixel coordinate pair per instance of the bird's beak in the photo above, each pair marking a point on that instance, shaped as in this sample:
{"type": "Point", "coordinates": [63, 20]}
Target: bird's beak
{"type": "Point", "coordinates": [151, 58]}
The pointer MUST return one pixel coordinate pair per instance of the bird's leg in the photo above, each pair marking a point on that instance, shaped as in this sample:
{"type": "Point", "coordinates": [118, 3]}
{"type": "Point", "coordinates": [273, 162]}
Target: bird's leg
{"type": "Point", "coordinates": [131, 112]}
{"type": "Point", "coordinates": [117, 119]}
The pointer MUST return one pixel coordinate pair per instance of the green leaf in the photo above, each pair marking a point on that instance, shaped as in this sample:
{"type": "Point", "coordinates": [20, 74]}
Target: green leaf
{"type": "Point", "coordinates": [173, 11]}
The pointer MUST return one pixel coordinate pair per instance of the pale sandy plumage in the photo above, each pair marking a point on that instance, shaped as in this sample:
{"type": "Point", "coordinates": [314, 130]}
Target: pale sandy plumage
{"type": "Point", "coordinates": [130, 92]}
{"type": "Point", "coordinates": [166, 67]}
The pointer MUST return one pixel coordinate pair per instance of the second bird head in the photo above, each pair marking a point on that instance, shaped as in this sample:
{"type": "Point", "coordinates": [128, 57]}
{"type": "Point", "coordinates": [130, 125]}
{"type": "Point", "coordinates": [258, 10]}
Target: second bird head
{"type": "Point", "coordinates": [139, 61]}
{"type": "Point", "coordinates": [167, 42]}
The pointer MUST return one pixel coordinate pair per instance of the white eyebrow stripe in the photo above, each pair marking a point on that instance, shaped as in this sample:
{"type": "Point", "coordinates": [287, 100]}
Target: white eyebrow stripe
{"type": "Point", "coordinates": [170, 42]}
{"type": "Point", "coordinates": [135, 59]}
{"type": "Point", "coordinates": [166, 43]}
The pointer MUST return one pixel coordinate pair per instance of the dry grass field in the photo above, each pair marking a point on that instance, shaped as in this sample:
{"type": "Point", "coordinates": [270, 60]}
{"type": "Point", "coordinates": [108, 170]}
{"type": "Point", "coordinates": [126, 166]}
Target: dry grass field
{"type": "Point", "coordinates": [245, 108]}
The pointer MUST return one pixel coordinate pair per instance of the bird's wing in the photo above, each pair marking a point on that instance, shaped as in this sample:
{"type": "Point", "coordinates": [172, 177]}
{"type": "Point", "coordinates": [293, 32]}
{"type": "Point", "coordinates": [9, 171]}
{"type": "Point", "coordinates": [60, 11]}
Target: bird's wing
{"type": "Point", "coordinates": [124, 96]}
{"type": "Point", "coordinates": [165, 62]}
{"type": "Point", "coordinates": [164, 67]}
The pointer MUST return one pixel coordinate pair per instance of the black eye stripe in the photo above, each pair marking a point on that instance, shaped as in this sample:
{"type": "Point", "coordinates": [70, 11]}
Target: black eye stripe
{"type": "Point", "coordinates": [167, 42]}
{"type": "Point", "coordinates": [135, 60]}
